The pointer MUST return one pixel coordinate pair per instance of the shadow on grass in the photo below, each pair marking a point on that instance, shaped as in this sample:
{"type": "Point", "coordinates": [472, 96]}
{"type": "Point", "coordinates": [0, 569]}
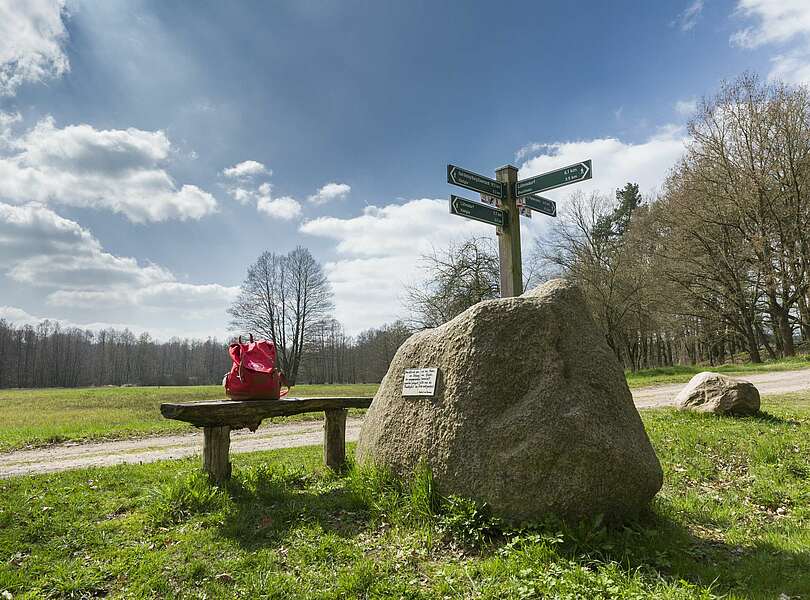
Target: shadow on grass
{"type": "Point", "coordinates": [697, 554]}
{"type": "Point", "coordinates": [759, 417]}
{"type": "Point", "coordinates": [771, 419]}
{"type": "Point", "coordinates": [266, 507]}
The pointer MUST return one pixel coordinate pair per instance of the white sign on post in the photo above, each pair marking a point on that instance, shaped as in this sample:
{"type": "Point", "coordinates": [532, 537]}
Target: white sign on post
{"type": "Point", "coordinates": [419, 382]}
{"type": "Point", "coordinates": [524, 210]}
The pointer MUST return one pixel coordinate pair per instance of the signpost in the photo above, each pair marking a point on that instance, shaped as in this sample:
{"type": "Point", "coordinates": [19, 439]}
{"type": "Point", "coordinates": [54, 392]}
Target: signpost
{"type": "Point", "coordinates": [476, 211]}
{"type": "Point", "coordinates": [554, 179]}
{"type": "Point", "coordinates": [505, 196]}
{"type": "Point", "coordinates": [540, 204]}
{"type": "Point", "coordinates": [475, 182]}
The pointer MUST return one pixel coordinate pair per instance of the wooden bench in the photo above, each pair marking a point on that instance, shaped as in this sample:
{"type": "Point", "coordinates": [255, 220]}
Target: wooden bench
{"type": "Point", "coordinates": [219, 417]}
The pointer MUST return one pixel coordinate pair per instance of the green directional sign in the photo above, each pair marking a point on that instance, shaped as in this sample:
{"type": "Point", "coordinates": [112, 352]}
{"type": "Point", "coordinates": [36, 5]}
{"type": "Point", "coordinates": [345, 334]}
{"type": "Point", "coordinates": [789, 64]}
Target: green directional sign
{"type": "Point", "coordinates": [554, 179]}
{"type": "Point", "coordinates": [477, 211]}
{"type": "Point", "coordinates": [540, 204]}
{"type": "Point", "coordinates": [475, 182]}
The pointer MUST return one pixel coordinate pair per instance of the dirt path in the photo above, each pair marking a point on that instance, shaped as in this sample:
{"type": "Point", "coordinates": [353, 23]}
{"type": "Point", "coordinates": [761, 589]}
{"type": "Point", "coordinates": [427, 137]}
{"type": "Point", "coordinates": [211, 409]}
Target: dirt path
{"type": "Point", "coordinates": [61, 457]}
{"type": "Point", "coordinates": [74, 455]}
{"type": "Point", "coordinates": [768, 384]}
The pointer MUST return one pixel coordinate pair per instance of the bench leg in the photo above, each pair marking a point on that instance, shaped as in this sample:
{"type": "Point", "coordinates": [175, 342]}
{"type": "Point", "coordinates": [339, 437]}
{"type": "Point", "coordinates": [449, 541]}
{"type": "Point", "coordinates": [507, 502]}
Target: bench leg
{"type": "Point", "coordinates": [334, 438]}
{"type": "Point", "coordinates": [216, 453]}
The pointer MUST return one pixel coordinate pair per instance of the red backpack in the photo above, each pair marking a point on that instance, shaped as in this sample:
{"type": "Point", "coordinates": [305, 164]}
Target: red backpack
{"type": "Point", "coordinates": [253, 375]}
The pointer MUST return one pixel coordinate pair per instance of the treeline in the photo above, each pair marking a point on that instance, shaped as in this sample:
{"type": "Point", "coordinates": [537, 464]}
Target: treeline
{"type": "Point", "coordinates": [49, 355]}
{"type": "Point", "coordinates": [718, 264]}
{"type": "Point", "coordinates": [333, 357]}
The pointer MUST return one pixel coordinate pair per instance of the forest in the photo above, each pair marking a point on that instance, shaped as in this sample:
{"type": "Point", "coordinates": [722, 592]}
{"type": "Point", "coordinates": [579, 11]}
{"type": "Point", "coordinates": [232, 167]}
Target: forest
{"type": "Point", "coordinates": [51, 356]}
{"type": "Point", "coordinates": [716, 265]}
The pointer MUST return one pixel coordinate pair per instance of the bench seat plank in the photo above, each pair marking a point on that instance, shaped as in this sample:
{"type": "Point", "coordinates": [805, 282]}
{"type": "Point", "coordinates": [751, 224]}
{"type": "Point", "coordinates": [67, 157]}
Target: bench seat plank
{"type": "Point", "coordinates": [249, 413]}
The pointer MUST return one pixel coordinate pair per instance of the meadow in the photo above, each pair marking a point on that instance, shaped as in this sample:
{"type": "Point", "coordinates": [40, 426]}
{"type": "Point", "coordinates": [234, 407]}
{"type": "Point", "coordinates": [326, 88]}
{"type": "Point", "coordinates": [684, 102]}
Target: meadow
{"type": "Point", "coordinates": [732, 521]}
{"type": "Point", "coordinates": [30, 418]}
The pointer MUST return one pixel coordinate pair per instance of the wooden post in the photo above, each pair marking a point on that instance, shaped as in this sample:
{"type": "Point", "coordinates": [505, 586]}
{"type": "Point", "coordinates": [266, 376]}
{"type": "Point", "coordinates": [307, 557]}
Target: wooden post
{"type": "Point", "coordinates": [216, 449]}
{"type": "Point", "coordinates": [509, 237]}
{"type": "Point", "coordinates": [334, 438]}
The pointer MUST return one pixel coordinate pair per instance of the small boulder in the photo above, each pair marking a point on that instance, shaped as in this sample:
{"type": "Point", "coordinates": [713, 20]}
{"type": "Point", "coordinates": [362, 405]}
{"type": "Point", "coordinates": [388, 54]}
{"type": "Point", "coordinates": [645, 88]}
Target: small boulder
{"type": "Point", "coordinates": [531, 412]}
{"type": "Point", "coordinates": [715, 393]}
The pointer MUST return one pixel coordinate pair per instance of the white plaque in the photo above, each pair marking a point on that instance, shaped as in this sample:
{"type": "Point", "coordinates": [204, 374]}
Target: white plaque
{"type": "Point", "coordinates": [419, 382]}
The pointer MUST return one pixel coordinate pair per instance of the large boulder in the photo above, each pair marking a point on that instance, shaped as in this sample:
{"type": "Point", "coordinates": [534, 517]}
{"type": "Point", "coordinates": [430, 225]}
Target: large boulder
{"type": "Point", "coordinates": [715, 393]}
{"type": "Point", "coordinates": [531, 412]}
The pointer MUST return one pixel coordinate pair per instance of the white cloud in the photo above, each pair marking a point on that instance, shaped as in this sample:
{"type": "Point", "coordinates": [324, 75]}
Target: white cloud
{"type": "Point", "coordinates": [7, 122]}
{"type": "Point", "coordinates": [32, 34]}
{"type": "Point", "coordinates": [793, 67]}
{"type": "Point", "coordinates": [379, 253]}
{"type": "Point", "coordinates": [241, 195]}
{"type": "Point", "coordinates": [119, 170]}
{"type": "Point", "coordinates": [194, 300]}
{"type": "Point", "coordinates": [40, 249]}
{"type": "Point", "coordinates": [686, 108]}
{"type": "Point", "coordinates": [614, 162]}
{"type": "Point", "coordinates": [329, 192]}
{"type": "Point", "coordinates": [19, 318]}
{"type": "Point", "coordinates": [689, 17]}
{"type": "Point", "coordinates": [778, 22]}
{"type": "Point", "coordinates": [284, 208]}
{"type": "Point", "coordinates": [527, 150]}
{"type": "Point", "coordinates": [246, 191]}
{"type": "Point", "coordinates": [246, 170]}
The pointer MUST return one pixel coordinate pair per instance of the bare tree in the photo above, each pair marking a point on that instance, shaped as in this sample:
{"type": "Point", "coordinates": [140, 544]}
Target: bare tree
{"type": "Point", "coordinates": [589, 244]}
{"type": "Point", "coordinates": [458, 276]}
{"type": "Point", "coordinates": [746, 175]}
{"type": "Point", "coordinates": [281, 298]}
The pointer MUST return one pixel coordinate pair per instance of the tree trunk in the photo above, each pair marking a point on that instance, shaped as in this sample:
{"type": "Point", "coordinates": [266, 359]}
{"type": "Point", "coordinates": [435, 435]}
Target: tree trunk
{"type": "Point", "coordinates": [753, 346]}
{"type": "Point", "coordinates": [786, 333]}
{"type": "Point", "coordinates": [804, 317]}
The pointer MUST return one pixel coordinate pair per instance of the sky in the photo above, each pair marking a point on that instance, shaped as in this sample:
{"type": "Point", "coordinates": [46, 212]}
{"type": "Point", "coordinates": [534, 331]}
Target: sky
{"type": "Point", "coordinates": [150, 151]}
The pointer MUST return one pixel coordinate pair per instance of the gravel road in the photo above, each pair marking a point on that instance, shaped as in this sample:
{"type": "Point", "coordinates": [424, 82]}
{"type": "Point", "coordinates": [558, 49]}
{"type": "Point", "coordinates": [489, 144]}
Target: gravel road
{"type": "Point", "coordinates": [75, 455]}
{"type": "Point", "coordinates": [768, 384]}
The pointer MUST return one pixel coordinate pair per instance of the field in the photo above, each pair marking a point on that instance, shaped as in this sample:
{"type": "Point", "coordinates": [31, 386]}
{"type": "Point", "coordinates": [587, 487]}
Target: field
{"type": "Point", "coordinates": [732, 520]}
{"type": "Point", "coordinates": [44, 416]}
{"type": "Point", "coordinates": [31, 418]}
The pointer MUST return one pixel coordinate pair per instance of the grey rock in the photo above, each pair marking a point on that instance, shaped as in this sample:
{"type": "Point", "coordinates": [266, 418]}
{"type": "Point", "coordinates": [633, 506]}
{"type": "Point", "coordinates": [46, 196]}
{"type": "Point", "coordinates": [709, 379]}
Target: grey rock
{"type": "Point", "coordinates": [532, 413]}
{"type": "Point", "coordinates": [715, 393]}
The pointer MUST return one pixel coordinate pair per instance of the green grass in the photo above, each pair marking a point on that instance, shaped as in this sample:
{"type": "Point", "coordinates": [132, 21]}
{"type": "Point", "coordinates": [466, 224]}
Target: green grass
{"type": "Point", "coordinates": [683, 373]}
{"type": "Point", "coordinates": [733, 520]}
{"type": "Point", "coordinates": [44, 416]}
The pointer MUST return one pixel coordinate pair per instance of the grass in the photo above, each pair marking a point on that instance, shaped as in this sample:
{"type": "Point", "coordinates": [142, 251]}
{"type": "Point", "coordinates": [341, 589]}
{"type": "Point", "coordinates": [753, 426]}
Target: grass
{"type": "Point", "coordinates": [683, 373]}
{"type": "Point", "coordinates": [44, 416]}
{"type": "Point", "coordinates": [30, 418]}
{"type": "Point", "coordinates": [733, 520]}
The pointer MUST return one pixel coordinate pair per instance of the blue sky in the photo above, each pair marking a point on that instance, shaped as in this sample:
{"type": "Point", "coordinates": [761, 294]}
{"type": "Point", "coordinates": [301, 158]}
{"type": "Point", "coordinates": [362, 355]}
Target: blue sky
{"type": "Point", "coordinates": [149, 151]}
